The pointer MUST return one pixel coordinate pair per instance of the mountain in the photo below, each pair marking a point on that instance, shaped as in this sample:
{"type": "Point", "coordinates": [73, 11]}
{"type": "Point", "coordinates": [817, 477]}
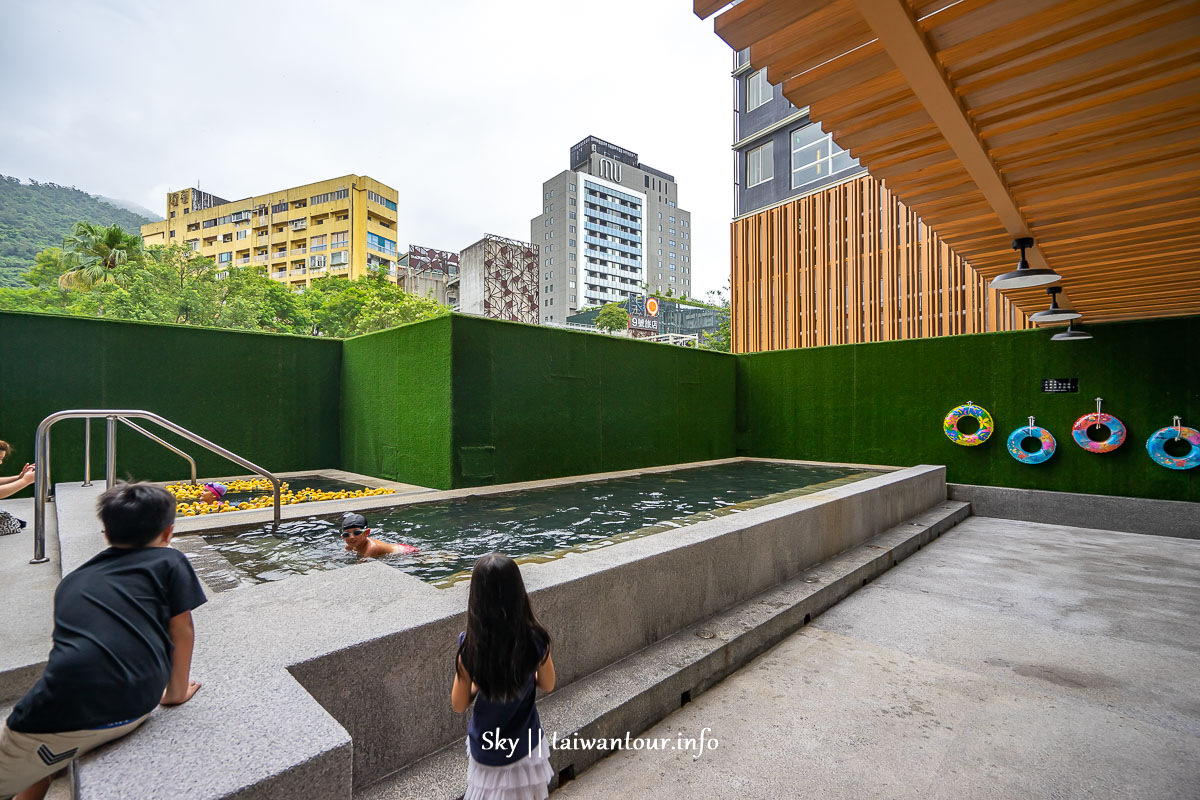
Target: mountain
{"type": "Point", "coordinates": [129, 205]}
{"type": "Point", "coordinates": [34, 216]}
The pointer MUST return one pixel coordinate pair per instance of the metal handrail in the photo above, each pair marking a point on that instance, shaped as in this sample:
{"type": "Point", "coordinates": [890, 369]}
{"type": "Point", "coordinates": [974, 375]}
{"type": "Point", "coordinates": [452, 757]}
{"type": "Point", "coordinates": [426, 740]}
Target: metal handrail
{"type": "Point", "coordinates": [191, 461]}
{"type": "Point", "coordinates": [41, 450]}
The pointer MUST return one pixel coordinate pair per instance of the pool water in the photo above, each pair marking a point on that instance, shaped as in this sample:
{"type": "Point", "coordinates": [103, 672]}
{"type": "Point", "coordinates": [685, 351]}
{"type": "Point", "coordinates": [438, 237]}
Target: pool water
{"type": "Point", "coordinates": [534, 524]}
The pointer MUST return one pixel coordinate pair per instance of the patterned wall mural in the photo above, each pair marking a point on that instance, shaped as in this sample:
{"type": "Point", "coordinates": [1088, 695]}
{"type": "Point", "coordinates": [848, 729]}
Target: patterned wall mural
{"type": "Point", "coordinates": [510, 280]}
{"type": "Point", "coordinates": [427, 259]}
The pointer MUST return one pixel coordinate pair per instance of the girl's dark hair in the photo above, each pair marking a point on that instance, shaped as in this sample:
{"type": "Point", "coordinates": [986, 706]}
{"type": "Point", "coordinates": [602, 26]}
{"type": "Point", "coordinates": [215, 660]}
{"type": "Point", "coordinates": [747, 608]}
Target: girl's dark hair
{"type": "Point", "coordinates": [5, 449]}
{"type": "Point", "coordinates": [134, 514]}
{"type": "Point", "coordinates": [498, 651]}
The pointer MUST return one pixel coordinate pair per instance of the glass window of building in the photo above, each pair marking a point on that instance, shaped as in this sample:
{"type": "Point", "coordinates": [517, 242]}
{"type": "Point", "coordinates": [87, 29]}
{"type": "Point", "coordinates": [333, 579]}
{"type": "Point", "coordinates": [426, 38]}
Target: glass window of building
{"type": "Point", "coordinates": [758, 91]}
{"type": "Point", "coordinates": [815, 156]}
{"type": "Point", "coordinates": [760, 166]}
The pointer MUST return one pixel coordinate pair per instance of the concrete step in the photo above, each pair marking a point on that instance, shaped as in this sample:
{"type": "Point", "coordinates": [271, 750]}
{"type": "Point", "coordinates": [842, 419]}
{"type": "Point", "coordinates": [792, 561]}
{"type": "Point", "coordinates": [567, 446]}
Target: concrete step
{"type": "Point", "coordinates": [633, 694]}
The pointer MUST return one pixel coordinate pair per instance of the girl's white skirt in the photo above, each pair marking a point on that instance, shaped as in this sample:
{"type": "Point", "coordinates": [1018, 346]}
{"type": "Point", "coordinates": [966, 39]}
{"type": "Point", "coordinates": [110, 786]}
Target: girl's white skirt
{"type": "Point", "coordinates": [527, 779]}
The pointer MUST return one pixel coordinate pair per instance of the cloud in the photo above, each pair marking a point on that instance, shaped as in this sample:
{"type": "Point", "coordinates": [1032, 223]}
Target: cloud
{"type": "Point", "coordinates": [464, 107]}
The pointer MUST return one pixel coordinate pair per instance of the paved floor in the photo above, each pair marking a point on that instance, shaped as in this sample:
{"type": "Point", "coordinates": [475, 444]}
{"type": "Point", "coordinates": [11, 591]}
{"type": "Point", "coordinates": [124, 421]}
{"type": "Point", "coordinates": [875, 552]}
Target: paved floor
{"type": "Point", "coordinates": [1005, 660]}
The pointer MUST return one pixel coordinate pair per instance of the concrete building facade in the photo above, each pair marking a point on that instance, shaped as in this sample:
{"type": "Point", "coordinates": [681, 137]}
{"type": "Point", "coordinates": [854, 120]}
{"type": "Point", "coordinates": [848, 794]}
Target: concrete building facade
{"type": "Point", "coordinates": [498, 278]}
{"type": "Point", "coordinates": [779, 153]}
{"type": "Point", "coordinates": [341, 226]}
{"type": "Point", "coordinates": [610, 228]}
{"type": "Point", "coordinates": [426, 271]}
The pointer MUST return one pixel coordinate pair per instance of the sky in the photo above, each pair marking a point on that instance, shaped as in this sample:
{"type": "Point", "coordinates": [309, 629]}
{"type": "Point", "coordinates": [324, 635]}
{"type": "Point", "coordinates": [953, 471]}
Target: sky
{"type": "Point", "coordinates": [464, 106]}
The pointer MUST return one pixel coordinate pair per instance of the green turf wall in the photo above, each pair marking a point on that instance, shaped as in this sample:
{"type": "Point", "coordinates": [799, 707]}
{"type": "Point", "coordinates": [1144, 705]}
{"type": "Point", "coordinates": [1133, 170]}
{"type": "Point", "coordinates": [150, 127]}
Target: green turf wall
{"type": "Point", "coordinates": [884, 404]}
{"type": "Point", "coordinates": [396, 404]}
{"type": "Point", "coordinates": [534, 402]}
{"type": "Point", "coordinates": [271, 399]}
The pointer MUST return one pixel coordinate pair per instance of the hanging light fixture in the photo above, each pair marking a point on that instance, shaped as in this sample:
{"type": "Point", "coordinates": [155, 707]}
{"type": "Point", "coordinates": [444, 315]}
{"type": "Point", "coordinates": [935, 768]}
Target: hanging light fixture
{"type": "Point", "coordinates": [1070, 334]}
{"type": "Point", "coordinates": [1024, 276]}
{"type": "Point", "coordinates": [1055, 313]}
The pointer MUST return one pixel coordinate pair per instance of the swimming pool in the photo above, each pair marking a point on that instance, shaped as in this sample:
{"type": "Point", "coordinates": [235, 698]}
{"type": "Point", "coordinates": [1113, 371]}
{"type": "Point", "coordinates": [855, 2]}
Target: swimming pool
{"type": "Point", "coordinates": [532, 524]}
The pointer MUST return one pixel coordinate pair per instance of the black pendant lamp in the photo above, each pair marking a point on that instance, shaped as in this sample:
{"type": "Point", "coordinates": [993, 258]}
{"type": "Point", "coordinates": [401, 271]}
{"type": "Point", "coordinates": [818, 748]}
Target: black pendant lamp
{"type": "Point", "coordinates": [1024, 276]}
{"type": "Point", "coordinates": [1055, 313]}
{"type": "Point", "coordinates": [1070, 334]}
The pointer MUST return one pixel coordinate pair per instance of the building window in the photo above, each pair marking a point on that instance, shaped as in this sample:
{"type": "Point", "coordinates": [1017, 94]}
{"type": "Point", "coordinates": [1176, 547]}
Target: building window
{"type": "Point", "coordinates": [572, 241]}
{"type": "Point", "coordinates": [572, 214]}
{"type": "Point", "coordinates": [572, 187]}
{"type": "Point", "coordinates": [571, 256]}
{"type": "Point", "coordinates": [172, 234]}
{"type": "Point", "coordinates": [815, 156]}
{"type": "Point", "coordinates": [383, 201]}
{"type": "Point", "coordinates": [760, 167]}
{"type": "Point", "coordinates": [758, 91]}
{"type": "Point", "coordinates": [571, 229]}
{"type": "Point", "coordinates": [340, 257]}
{"type": "Point", "coordinates": [671, 220]}
{"type": "Point", "coordinates": [242, 234]}
{"type": "Point", "coordinates": [224, 258]}
{"type": "Point", "coordinates": [572, 201]}
{"type": "Point", "coordinates": [377, 242]}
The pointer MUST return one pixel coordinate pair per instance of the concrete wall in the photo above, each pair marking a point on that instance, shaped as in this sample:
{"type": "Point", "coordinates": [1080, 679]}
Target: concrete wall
{"type": "Point", "coordinates": [1125, 514]}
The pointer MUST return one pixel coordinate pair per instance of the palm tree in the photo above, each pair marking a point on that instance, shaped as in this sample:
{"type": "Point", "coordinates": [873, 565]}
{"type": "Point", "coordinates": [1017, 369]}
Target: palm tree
{"type": "Point", "coordinates": [93, 253]}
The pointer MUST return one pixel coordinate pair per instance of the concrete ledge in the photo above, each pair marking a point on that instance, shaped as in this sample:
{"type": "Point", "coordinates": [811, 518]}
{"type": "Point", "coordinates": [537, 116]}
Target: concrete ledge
{"type": "Point", "coordinates": [633, 694]}
{"type": "Point", "coordinates": [1097, 511]}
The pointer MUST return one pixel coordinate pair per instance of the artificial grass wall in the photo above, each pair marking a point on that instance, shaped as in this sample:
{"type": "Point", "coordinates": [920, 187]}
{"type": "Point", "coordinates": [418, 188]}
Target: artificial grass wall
{"type": "Point", "coordinates": [532, 402]}
{"type": "Point", "coordinates": [271, 399]}
{"type": "Point", "coordinates": [463, 401]}
{"type": "Point", "coordinates": [396, 404]}
{"type": "Point", "coordinates": [884, 404]}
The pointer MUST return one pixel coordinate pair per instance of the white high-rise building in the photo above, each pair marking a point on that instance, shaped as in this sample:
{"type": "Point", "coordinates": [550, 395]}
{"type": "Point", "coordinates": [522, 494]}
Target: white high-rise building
{"type": "Point", "coordinates": [610, 229]}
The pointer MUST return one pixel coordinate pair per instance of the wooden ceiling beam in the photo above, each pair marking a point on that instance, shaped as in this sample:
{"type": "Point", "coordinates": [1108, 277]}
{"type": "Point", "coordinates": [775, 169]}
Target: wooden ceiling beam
{"type": "Point", "coordinates": [905, 44]}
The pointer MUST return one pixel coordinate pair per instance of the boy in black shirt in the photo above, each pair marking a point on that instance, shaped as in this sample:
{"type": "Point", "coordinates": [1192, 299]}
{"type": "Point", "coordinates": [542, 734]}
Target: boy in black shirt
{"type": "Point", "coordinates": [123, 641]}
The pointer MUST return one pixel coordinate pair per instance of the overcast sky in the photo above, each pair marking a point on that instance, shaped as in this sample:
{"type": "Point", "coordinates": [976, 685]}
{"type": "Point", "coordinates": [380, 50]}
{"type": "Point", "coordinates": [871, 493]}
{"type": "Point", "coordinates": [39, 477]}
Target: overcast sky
{"type": "Point", "coordinates": [464, 106]}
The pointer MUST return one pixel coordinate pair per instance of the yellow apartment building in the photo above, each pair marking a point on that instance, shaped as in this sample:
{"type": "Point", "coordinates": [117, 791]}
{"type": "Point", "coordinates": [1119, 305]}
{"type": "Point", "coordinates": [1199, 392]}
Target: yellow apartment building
{"type": "Point", "coordinates": [338, 227]}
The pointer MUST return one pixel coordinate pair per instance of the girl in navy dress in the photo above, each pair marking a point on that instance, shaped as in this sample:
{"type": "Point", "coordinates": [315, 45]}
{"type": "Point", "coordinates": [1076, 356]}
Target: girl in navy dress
{"type": "Point", "coordinates": [503, 659]}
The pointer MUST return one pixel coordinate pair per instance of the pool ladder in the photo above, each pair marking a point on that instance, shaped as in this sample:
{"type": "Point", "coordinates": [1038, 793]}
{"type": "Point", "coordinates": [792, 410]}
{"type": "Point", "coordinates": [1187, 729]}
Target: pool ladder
{"type": "Point", "coordinates": [41, 452]}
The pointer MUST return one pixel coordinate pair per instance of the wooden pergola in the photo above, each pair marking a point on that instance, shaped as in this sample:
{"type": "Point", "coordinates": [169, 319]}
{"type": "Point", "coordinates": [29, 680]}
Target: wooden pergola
{"type": "Point", "coordinates": [1075, 122]}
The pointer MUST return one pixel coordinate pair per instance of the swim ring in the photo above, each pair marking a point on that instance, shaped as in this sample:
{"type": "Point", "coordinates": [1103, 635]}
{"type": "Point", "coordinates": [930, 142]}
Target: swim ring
{"type": "Point", "coordinates": [1037, 457]}
{"type": "Point", "coordinates": [1156, 447]}
{"type": "Point", "coordinates": [1116, 432]}
{"type": "Point", "coordinates": [968, 409]}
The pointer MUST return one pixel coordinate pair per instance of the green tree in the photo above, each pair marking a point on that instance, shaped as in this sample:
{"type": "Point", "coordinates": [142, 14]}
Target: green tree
{"type": "Point", "coordinates": [722, 339]}
{"type": "Point", "coordinates": [35, 216]}
{"type": "Point", "coordinates": [612, 318]}
{"type": "Point", "coordinates": [94, 253]}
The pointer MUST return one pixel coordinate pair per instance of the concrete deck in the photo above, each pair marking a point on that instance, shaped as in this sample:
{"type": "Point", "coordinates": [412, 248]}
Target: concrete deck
{"type": "Point", "coordinates": [26, 603]}
{"type": "Point", "coordinates": [1006, 660]}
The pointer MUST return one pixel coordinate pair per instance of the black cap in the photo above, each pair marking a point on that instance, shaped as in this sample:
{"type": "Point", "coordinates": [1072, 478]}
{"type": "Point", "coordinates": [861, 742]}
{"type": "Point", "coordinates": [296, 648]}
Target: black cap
{"type": "Point", "coordinates": [352, 520]}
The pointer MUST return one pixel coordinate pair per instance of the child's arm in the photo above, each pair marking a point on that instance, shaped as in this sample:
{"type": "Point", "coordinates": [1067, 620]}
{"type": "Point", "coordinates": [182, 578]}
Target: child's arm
{"type": "Point", "coordinates": [183, 636]}
{"type": "Point", "coordinates": [460, 695]}
{"type": "Point", "coordinates": [545, 674]}
{"type": "Point", "coordinates": [10, 486]}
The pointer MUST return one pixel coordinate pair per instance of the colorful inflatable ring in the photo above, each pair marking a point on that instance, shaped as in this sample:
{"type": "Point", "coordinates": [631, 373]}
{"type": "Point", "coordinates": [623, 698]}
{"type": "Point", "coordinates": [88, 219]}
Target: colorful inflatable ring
{"type": "Point", "coordinates": [1155, 446]}
{"type": "Point", "coordinates": [1015, 450]}
{"type": "Point", "coordinates": [1116, 432]}
{"type": "Point", "coordinates": [950, 425]}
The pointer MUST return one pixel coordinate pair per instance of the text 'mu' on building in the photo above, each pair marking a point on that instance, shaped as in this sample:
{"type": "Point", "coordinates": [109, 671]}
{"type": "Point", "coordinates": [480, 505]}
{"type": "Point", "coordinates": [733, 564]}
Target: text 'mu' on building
{"type": "Point", "coordinates": [341, 226]}
{"type": "Point", "coordinates": [610, 228]}
{"type": "Point", "coordinates": [822, 253]}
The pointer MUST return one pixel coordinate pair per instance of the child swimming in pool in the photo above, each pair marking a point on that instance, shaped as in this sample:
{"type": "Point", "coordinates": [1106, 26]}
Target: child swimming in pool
{"type": "Point", "coordinates": [213, 492]}
{"type": "Point", "coordinates": [503, 659]}
{"type": "Point", "coordinates": [358, 539]}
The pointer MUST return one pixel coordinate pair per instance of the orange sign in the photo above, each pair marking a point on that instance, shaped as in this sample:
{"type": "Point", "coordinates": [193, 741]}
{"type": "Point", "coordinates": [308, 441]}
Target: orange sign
{"type": "Point", "coordinates": [652, 306]}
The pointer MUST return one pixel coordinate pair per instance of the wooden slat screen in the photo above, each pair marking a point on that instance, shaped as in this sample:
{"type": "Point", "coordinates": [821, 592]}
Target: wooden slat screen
{"type": "Point", "coordinates": [852, 264]}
